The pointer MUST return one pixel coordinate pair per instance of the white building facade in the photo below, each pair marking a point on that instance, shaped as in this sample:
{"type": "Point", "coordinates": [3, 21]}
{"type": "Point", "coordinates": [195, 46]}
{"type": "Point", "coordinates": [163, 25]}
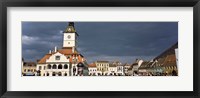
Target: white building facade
{"type": "Point", "coordinates": [112, 70]}
{"type": "Point", "coordinates": [92, 69]}
{"type": "Point", "coordinates": [63, 62]}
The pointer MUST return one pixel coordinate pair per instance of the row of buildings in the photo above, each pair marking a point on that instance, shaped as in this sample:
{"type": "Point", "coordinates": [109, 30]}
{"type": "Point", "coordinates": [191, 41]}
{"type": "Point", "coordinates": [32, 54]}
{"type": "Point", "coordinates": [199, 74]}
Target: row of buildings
{"type": "Point", "coordinates": [162, 65]}
{"type": "Point", "coordinates": [67, 61]}
{"type": "Point", "coordinates": [105, 68]}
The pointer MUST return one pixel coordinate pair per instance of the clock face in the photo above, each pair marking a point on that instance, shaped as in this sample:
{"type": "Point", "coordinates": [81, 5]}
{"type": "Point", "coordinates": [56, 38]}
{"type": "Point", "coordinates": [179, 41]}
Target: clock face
{"type": "Point", "coordinates": [68, 36]}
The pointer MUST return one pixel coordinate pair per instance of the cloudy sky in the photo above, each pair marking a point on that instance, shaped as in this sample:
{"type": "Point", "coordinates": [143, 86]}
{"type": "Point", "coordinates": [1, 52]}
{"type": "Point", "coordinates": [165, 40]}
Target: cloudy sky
{"type": "Point", "coordinates": [123, 41]}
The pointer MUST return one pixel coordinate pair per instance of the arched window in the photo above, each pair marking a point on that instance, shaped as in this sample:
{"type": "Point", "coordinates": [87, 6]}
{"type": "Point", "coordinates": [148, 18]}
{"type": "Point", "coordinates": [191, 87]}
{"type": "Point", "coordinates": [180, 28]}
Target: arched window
{"type": "Point", "coordinates": [59, 74]}
{"type": "Point", "coordinates": [53, 74]}
{"type": "Point", "coordinates": [59, 66]}
{"type": "Point", "coordinates": [94, 74]}
{"type": "Point", "coordinates": [49, 66]}
{"type": "Point", "coordinates": [106, 74]}
{"type": "Point", "coordinates": [47, 74]}
{"type": "Point", "coordinates": [65, 74]}
{"type": "Point", "coordinates": [99, 74]}
{"type": "Point", "coordinates": [65, 66]}
{"type": "Point", "coordinates": [54, 66]}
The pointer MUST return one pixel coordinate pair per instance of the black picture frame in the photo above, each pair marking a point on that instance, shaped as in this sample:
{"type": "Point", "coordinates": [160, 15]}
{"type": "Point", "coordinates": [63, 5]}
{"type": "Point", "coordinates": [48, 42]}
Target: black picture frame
{"type": "Point", "coordinates": [98, 3]}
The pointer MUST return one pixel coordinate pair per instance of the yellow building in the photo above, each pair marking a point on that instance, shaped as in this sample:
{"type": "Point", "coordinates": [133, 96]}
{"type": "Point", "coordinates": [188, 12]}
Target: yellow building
{"type": "Point", "coordinates": [102, 67]}
{"type": "Point", "coordinates": [29, 69]}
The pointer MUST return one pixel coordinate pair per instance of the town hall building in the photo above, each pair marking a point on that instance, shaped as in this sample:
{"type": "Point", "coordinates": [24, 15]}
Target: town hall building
{"type": "Point", "coordinates": [66, 61]}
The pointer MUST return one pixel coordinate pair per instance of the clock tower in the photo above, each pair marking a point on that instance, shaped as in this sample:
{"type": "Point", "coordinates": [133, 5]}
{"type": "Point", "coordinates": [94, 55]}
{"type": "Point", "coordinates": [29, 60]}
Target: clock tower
{"type": "Point", "coordinates": [70, 36]}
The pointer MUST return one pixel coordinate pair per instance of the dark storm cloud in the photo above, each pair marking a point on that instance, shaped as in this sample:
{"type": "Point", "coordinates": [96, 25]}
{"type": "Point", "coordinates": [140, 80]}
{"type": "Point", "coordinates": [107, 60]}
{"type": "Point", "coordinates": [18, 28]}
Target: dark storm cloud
{"type": "Point", "coordinates": [102, 40]}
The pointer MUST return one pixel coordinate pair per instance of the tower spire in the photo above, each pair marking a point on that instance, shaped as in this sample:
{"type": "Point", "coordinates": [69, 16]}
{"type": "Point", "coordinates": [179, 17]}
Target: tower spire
{"type": "Point", "coordinates": [70, 28]}
{"type": "Point", "coordinates": [71, 24]}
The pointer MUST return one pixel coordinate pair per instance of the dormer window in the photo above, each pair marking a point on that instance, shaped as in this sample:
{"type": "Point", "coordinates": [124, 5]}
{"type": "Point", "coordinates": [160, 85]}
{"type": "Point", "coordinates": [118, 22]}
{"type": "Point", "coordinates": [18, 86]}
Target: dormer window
{"type": "Point", "coordinates": [57, 57]}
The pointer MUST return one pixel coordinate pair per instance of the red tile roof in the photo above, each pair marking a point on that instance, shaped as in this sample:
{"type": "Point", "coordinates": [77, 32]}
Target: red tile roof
{"type": "Point", "coordinates": [66, 51]}
{"type": "Point", "coordinates": [170, 60]}
{"type": "Point", "coordinates": [43, 60]}
{"type": "Point", "coordinates": [92, 65]}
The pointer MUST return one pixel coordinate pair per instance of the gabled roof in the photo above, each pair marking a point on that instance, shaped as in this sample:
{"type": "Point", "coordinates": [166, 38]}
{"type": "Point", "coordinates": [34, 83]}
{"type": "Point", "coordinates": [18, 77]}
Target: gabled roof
{"type": "Point", "coordinates": [65, 51]}
{"type": "Point", "coordinates": [112, 65]}
{"type": "Point", "coordinates": [149, 64]}
{"type": "Point", "coordinates": [169, 51]}
{"type": "Point", "coordinates": [116, 63]}
{"type": "Point", "coordinates": [144, 64]}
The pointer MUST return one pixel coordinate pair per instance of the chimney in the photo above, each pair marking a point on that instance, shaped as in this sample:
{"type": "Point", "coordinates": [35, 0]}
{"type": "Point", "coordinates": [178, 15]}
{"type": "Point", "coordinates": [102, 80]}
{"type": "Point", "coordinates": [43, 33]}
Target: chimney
{"type": "Point", "coordinates": [55, 49]}
{"type": "Point", "coordinates": [49, 51]}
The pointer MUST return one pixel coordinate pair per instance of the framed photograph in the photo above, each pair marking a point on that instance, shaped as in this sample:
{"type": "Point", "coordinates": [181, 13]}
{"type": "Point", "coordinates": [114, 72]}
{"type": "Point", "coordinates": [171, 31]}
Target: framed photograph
{"type": "Point", "coordinates": [131, 48]}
